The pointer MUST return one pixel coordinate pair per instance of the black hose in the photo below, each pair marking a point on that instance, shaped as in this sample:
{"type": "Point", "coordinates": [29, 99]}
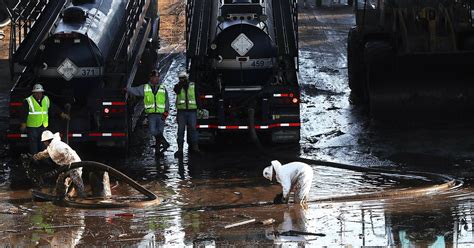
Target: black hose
{"type": "Point", "coordinates": [447, 182]}
{"type": "Point", "coordinates": [151, 200]}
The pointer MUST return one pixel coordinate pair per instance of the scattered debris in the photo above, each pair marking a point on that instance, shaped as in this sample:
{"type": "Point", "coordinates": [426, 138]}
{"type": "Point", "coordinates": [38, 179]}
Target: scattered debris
{"type": "Point", "coordinates": [53, 227]}
{"type": "Point", "coordinates": [244, 216]}
{"type": "Point", "coordinates": [127, 240]}
{"type": "Point", "coordinates": [240, 223]}
{"type": "Point", "coordinates": [12, 210]}
{"type": "Point", "coordinates": [130, 215]}
{"type": "Point", "coordinates": [268, 221]}
{"type": "Point", "coordinates": [25, 208]}
{"type": "Point", "coordinates": [328, 70]}
{"type": "Point", "coordinates": [299, 233]}
{"type": "Point", "coordinates": [10, 231]}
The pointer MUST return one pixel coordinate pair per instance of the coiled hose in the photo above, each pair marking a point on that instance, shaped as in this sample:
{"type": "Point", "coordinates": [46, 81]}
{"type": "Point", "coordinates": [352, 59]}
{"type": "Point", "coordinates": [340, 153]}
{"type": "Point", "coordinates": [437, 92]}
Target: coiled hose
{"type": "Point", "coordinates": [445, 182]}
{"type": "Point", "coordinates": [151, 198]}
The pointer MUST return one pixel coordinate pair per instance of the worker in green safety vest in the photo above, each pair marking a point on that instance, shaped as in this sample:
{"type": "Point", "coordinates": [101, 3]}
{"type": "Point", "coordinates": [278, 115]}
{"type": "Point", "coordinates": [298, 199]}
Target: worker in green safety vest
{"type": "Point", "coordinates": [36, 110]}
{"type": "Point", "coordinates": [156, 102]}
{"type": "Point", "coordinates": [186, 105]}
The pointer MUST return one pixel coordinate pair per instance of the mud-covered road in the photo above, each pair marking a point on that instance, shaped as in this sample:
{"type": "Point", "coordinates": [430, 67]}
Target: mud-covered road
{"type": "Point", "coordinates": [203, 194]}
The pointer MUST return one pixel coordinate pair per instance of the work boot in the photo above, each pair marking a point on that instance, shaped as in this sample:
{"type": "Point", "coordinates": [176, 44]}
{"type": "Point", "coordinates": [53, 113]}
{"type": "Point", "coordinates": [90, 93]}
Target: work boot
{"type": "Point", "coordinates": [157, 145]}
{"type": "Point", "coordinates": [195, 148]}
{"type": "Point", "coordinates": [164, 143]}
{"type": "Point", "coordinates": [179, 152]}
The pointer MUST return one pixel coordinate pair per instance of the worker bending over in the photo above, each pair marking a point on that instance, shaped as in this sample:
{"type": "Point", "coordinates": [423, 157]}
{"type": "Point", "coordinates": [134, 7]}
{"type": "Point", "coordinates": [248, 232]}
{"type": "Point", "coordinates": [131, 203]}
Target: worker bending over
{"type": "Point", "coordinates": [295, 176]}
{"type": "Point", "coordinates": [63, 155]}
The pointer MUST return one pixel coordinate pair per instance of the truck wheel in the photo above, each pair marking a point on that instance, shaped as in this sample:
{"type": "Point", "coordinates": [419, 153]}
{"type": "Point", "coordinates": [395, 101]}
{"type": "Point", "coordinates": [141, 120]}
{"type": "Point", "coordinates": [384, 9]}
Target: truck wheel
{"type": "Point", "coordinates": [350, 2]}
{"type": "Point", "coordinates": [4, 18]}
{"type": "Point", "coordinates": [356, 67]}
{"type": "Point", "coordinates": [469, 43]}
{"type": "Point", "coordinates": [319, 3]}
{"type": "Point", "coordinates": [378, 58]}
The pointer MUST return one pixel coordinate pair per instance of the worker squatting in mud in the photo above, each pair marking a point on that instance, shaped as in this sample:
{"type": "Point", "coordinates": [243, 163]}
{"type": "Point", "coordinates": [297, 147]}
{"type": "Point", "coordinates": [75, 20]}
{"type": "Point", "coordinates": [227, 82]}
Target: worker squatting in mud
{"type": "Point", "coordinates": [295, 176]}
{"type": "Point", "coordinates": [63, 155]}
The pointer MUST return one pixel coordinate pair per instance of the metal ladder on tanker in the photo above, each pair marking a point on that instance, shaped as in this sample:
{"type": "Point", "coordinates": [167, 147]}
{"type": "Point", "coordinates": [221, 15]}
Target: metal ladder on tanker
{"type": "Point", "coordinates": [32, 20]}
{"type": "Point", "coordinates": [198, 15]}
{"type": "Point", "coordinates": [285, 14]}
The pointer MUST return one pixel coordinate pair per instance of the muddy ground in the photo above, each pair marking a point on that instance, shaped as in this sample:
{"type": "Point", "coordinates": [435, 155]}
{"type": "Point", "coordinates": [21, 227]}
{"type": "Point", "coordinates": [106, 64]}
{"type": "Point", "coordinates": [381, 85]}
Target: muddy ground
{"type": "Point", "coordinates": [201, 195]}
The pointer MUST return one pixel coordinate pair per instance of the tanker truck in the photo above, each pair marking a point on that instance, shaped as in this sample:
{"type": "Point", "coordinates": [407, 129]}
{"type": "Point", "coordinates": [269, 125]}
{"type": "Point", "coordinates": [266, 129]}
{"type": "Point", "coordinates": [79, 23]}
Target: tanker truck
{"type": "Point", "coordinates": [412, 57]}
{"type": "Point", "coordinates": [84, 52]}
{"type": "Point", "coordinates": [243, 57]}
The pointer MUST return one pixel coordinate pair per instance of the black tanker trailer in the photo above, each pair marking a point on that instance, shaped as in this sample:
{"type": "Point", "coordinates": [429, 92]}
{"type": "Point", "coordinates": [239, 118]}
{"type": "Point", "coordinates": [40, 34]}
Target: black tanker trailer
{"type": "Point", "coordinates": [243, 57]}
{"type": "Point", "coordinates": [84, 52]}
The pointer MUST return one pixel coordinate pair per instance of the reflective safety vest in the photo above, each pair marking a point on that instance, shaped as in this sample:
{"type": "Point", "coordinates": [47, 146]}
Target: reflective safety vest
{"type": "Point", "coordinates": [37, 115]}
{"type": "Point", "coordinates": [154, 103]}
{"type": "Point", "coordinates": [181, 99]}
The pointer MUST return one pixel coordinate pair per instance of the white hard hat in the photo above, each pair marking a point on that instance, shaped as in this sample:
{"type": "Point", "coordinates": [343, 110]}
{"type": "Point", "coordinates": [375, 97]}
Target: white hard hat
{"type": "Point", "coordinates": [47, 135]}
{"type": "Point", "coordinates": [183, 74]}
{"type": "Point", "coordinates": [37, 88]}
{"type": "Point", "coordinates": [268, 171]}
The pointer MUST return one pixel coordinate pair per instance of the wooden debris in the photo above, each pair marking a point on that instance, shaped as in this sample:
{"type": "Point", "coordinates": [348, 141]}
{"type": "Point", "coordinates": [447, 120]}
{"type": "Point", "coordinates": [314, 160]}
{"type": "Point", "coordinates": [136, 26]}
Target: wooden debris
{"type": "Point", "coordinates": [53, 227]}
{"type": "Point", "coordinates": [268, 221]}
{"type": "Point", "coordinates": [12, 210]}
{"type": "Point", "coordinates": [300, 233]}
{"type": "Point", "coordinates": [127, 240]}
{"type": "Point", "coordinates": [240, 223]}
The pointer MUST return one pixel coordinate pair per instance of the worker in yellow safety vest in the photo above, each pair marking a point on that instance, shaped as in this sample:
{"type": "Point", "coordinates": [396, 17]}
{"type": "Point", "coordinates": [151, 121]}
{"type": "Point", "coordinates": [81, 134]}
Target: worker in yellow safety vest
{"type": "Point", "coordinates": [186, 105]}
{"type": "Point", "coordinates": [156, 102]}
{"type": "Point", "coordinates": [35, 116]}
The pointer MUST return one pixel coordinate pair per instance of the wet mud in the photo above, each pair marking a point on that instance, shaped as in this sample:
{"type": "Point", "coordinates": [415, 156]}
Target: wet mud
{"type": "Point", "coordinates": [201, 194]}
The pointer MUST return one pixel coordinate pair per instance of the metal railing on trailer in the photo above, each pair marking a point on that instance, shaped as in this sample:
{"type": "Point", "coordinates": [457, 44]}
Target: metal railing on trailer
{"type": "Point", "coordinates": [286, 27]}
{"type": "Point", "coordinates": [32, 20]}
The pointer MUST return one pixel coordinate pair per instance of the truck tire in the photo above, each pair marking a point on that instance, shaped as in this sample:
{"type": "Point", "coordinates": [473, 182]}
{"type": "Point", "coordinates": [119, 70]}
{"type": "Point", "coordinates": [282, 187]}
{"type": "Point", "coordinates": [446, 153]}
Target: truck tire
{"type": "Point", "coordinates": [350, 2]}
{"type": "Point", "coordinates": [356, 67]}
{"type": "Point", "coordinates": [319, 3]}
{"type": "Point", "coordinates": [4, 18]}
{"type": "Point", "coordinates": [378, 57]}
{"type": "Point", "coordinates": [468, 44]}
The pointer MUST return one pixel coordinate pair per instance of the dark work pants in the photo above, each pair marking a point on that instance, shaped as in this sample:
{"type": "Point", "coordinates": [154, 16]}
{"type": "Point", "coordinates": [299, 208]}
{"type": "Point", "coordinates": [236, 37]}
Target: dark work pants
{"type": "Point", "coordinates": [187, 120]}
{"type": "Point", "coordinates": [34, 139]}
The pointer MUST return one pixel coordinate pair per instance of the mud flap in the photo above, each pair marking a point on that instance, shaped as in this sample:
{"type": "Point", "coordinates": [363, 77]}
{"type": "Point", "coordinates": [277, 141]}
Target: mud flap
{"type": "Point", "coordinates": [206, 137]}
{"type": "Point", "coordinates": [286, 136]}
{"type": "Point", "coordinates": [419, 86]}
{"type": "Point", "coordinates": [378, 57]}
{"type": "Point", "coordinates": [356, 67]}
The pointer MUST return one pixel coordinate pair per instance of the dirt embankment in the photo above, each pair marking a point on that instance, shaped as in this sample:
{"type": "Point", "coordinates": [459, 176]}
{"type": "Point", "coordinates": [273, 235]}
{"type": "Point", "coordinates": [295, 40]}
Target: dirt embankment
{"type": "Point", "coordinates": [172, 26]}
{"type": "Point", "coordinates": [4, 69]}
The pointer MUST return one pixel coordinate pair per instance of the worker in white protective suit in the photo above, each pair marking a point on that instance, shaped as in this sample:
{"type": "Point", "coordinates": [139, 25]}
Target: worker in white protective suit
{"type": "Point", "coordinates": [295, 176]}
{"type": "Point", "coordinates": [63, 155]}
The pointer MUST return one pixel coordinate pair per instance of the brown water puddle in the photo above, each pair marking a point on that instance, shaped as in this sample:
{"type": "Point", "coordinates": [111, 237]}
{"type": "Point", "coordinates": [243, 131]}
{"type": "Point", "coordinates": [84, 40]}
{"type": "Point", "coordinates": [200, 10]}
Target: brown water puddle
{"type": "Point", "coordinates": [195, 211]}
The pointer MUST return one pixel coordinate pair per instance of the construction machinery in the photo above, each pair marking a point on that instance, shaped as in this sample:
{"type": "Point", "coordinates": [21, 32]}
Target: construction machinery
{"type": "Point", "coordinates": [243, 57]}
{"type": "Point", "coordinates": [84, 53]}
{"type": "Point", "coordinates": [412, 57]}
